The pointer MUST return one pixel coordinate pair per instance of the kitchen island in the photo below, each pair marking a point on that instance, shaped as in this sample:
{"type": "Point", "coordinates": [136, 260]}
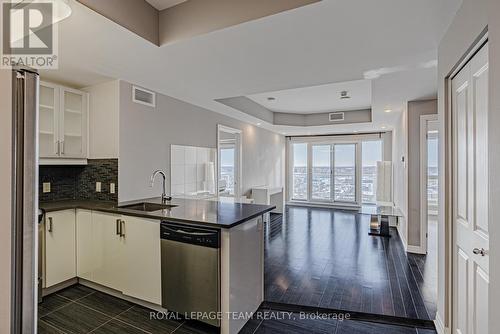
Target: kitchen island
{"type": "Point", "coordinates": [120, 251]}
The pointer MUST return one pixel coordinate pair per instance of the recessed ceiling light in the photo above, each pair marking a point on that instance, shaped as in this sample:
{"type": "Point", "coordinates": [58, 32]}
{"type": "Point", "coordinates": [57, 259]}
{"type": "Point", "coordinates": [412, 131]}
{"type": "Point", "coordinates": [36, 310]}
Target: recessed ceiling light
{"type": "Point", "coordinates": [259, 123]}
{"type": "Point", "coordinates": [270, 98]}
{"type": "Point", "coordinates": [388, 110]}
{"type": "Point", "coordinates": [383, 127]}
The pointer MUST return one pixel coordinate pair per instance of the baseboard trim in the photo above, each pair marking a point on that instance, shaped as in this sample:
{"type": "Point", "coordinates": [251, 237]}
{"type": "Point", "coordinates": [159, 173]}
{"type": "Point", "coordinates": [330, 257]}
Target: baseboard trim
{"type": "Point", "coordinates": [440, 329]}
{"type": "Point", "coordinates": [402, 237]}
{"type": "Point", "coordinates": [415, 250]}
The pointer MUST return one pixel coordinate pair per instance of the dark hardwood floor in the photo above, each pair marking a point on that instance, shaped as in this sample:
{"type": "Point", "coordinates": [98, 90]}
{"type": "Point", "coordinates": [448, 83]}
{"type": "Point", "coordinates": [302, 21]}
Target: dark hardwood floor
{"type": "Point", "coordinates": [325, 258]}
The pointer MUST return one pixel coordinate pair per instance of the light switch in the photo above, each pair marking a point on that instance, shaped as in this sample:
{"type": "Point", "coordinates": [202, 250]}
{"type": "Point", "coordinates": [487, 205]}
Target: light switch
{"type": "Point", "coordinates": [112, 188]}
{"type": "Point", "coordinates": [98, 187]}
{"type": "Point", "coordinates": [46, 187]}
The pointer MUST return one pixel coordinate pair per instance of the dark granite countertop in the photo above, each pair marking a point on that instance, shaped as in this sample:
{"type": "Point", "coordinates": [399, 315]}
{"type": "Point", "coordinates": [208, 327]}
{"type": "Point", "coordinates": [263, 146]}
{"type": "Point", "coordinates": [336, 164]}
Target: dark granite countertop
{"type": "Point", "coordinates": [193, 211]}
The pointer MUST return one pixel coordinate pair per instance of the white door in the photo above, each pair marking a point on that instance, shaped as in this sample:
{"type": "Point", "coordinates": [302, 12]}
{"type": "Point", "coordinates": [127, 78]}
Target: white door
{"type": "Point", "coordinates": [470, 197]}
{"type": "Point", "coordinates": [60, 247]}
{"type": "Point", "coordinates": [73, 124]}
{"type": "Point", "coordinates": [108, 250]}
{"type": "Point", "coordinates": [142, 263]}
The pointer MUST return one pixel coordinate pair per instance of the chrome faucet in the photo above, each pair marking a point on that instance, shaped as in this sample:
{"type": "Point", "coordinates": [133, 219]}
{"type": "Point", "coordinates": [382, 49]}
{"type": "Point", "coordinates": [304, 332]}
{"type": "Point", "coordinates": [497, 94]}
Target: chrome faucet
{"type": "Point", "coordinates": [164, 197]}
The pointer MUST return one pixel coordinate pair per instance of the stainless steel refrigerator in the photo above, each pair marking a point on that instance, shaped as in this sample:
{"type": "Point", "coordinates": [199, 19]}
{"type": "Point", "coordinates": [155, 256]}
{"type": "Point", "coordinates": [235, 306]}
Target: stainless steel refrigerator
{"type": "Point", "coordinates": [25, 85]}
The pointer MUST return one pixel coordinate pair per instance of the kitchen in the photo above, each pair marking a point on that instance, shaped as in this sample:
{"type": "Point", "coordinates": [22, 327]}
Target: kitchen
{"type": "Point", "coordinates": [126, 236]}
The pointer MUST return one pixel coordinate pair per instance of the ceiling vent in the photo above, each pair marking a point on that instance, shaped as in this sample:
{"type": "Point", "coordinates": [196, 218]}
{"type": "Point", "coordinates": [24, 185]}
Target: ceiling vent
{"type": "Point", "coordinates": [344, 95]}
{"type": "Point", "coordinates": [143, 96]}
{"type": "Point", "coordinates": [336, 116]}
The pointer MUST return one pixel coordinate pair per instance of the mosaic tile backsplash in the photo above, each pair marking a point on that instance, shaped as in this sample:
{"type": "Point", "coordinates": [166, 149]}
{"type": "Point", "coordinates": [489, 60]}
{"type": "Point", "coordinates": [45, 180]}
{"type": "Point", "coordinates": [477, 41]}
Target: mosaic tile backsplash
{"type": "Point", "coordinates": [78, 182]}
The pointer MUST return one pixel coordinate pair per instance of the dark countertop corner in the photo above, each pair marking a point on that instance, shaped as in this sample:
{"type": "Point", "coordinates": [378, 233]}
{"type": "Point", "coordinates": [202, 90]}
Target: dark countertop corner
{"type": "Point", "coordinates": [192, 211]}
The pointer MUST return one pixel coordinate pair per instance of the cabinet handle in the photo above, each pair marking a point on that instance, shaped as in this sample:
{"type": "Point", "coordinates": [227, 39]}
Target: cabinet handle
{"type": "Point", "coordinates": [50, 224]}
{"type": "Point", "coordinates": [57, 147]}
{"type": "Point", "coordinates": [122, 228]}
{"type": "Point", "coordinates": [62, 146]}
{"type": "Point", "coordinates": [118, 225]}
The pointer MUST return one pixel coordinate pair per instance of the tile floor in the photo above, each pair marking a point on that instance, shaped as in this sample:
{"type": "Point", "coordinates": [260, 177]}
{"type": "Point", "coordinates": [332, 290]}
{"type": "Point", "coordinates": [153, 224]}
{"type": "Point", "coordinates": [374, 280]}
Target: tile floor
{"type": "Point", "coordinates": [79, 309]}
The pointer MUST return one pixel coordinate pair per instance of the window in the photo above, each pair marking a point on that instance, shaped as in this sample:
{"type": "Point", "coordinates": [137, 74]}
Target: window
{"type": "Point", "coordinates": [336, 169]}
{"type": "Point", "coordinates": [321, 172]}
{"type": "Point", "coordinates": [345, 172]}
{"type": "Point", "coordinates": [227, 160]}
{"type": "Point", "coordinates": [432, 171]}
{"type": "Point", "coordinates": [372, 152]}
{"type": "Point", "coordinates": [299, 171]}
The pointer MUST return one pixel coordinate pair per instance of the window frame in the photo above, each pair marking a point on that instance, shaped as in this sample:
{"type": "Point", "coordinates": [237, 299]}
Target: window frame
{"type": "Point", "coordinates": [357, 140]}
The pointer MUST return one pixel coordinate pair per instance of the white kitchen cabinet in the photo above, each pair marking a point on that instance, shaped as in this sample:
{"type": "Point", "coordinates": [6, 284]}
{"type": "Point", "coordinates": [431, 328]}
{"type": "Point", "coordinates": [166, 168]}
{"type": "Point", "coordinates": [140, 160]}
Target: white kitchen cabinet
{"type": "Point", "coordinates": [84, 244]}
{"type": "Point", "coordinates": [142, 263]}
{"type": "Point", "coordinates": [108, 251]}
{"type": "Point", "coordinates": [63, 124]}
{"type": "Point", "coordinates": [60, 247]}
{"type": "Point", "coordinates": [49, 120]}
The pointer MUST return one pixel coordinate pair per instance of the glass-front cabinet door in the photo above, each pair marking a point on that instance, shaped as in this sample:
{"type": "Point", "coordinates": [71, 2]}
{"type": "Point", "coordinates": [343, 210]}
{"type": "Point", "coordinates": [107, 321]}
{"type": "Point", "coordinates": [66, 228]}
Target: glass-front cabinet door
{"type": "Point", "coordinates": [48, 120]}
{"type": "Point", "coordinates": [73, 124]}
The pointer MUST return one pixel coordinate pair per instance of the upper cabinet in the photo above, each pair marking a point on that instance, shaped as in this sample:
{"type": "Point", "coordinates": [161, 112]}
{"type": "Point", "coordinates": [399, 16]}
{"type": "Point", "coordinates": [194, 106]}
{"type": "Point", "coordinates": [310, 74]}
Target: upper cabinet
{"type": "Point", "coordinates": [63, 125]}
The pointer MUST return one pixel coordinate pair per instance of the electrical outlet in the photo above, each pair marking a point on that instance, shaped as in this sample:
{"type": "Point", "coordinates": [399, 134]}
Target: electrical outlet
{"type": "Point", "coordinates": [98, 187]}
{"type": "Point", "coordinates": [112, 188]}
{"type": "Point", "coordinates": [46, 187]}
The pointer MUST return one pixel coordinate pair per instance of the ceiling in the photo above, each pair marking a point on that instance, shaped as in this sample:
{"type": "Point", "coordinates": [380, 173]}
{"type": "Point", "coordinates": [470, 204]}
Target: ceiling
{"type": "Point", "coordinates": [164, 4]}
{"type": "Point", "coordinates": [332, 41]}
{"type": "Point", "coordinates": [318, 99]}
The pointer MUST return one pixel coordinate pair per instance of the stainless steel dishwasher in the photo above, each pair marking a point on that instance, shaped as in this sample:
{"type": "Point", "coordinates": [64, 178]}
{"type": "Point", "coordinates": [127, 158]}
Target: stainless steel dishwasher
{"type": "Point", "coordinates": [190, 271]}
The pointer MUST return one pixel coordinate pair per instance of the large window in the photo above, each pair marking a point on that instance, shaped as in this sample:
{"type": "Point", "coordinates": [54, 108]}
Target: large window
{"type": "Point", "coordinates": [321, 172]}
{"type": "Point", "coordinates": [336, 169]}
{"type": "Point", "coordinates": [299, 171]}
{"type": "Point", "coordinates": [372, 152]}
{"type": "Point", "coordinates": [345, 172]}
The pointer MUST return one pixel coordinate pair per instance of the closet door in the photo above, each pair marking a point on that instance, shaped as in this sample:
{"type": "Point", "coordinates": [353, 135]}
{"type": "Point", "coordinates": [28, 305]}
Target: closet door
{"type": "Point", "coordinates": [470, 197]}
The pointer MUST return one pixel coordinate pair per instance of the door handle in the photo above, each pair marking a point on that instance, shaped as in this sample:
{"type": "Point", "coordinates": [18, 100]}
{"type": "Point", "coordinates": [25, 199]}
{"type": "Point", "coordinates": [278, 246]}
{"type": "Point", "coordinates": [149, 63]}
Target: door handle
{"type": "Point", "coordinates": [50, 229]}
{"type": "Point", "coordinates": [122, 228]}
{"type": "Point", "coordinates": [479, 251]}
{"type": "Point", "coordinates": [118, 227]}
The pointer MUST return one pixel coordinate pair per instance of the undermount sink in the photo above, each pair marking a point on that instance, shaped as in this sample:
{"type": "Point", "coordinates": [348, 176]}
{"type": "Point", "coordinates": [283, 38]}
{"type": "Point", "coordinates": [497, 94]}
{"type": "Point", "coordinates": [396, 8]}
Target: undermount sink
{"type": "Point", "coordinates": [148, 207]}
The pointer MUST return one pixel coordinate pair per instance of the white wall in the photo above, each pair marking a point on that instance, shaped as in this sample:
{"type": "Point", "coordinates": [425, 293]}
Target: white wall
{"type": "Point", "coordinates": [400, 173]}
{"type": "Point", "coordinates": [5, 199]}
{"type": "Point", "coordinates": [146, 135]}
{"type": "Point", "coordinates": [104, 113]}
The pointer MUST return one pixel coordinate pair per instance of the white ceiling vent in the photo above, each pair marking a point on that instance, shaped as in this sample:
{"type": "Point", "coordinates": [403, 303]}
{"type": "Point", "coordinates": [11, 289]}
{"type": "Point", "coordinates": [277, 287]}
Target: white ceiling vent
{"type": "Point", "coordinates": [143, 96]}
{"type": "Point", "coordinates": [336, 116]}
